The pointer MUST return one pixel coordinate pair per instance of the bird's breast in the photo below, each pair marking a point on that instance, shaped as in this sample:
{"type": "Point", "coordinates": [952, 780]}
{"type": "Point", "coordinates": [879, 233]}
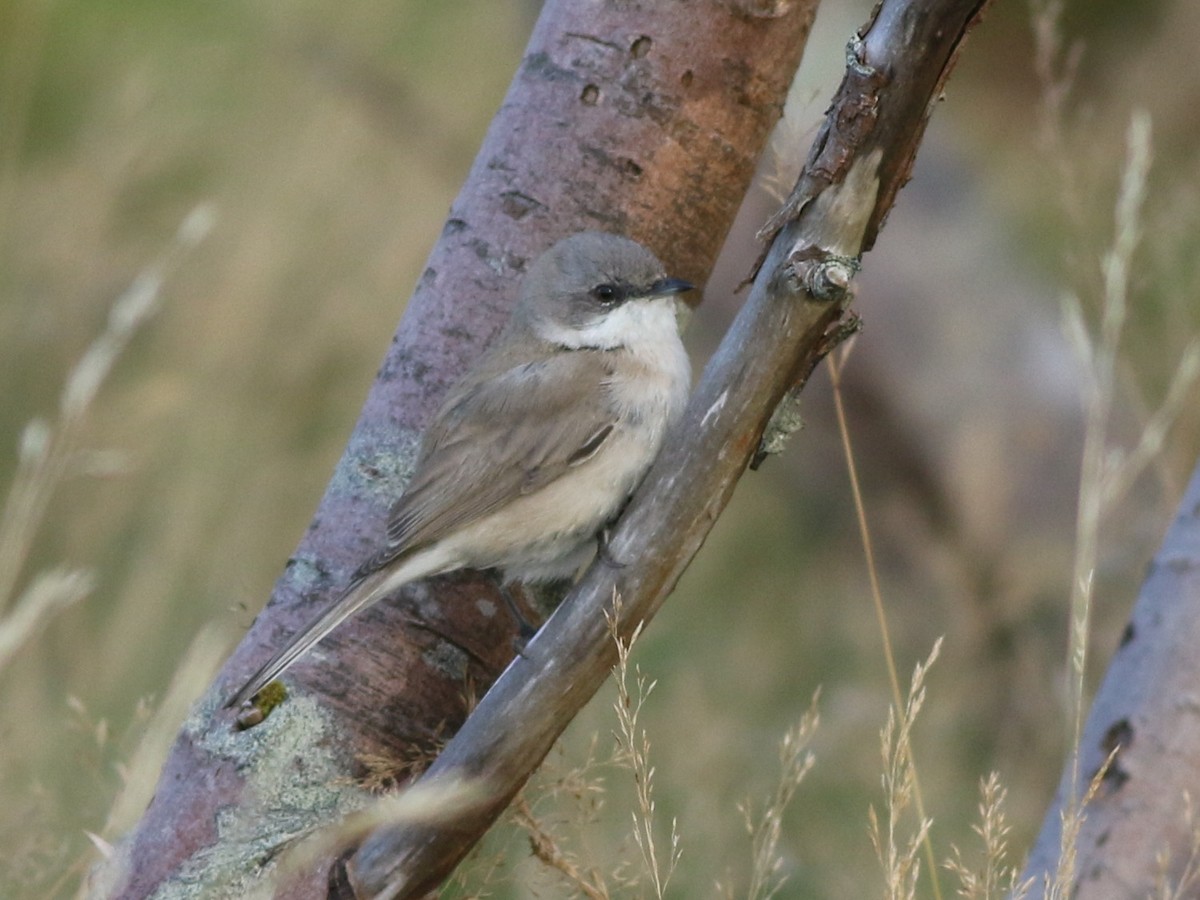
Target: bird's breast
{"type": "Point", "coordinates": [649, 385]}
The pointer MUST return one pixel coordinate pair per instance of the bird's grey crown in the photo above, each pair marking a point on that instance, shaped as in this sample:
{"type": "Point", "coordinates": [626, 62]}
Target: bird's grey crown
{"type": "Point", "coordinates": [583, 275]}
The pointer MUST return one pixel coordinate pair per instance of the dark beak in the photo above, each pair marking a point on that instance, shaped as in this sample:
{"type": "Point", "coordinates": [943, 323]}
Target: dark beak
{"type": "Point", "coordinates": [665, 287]}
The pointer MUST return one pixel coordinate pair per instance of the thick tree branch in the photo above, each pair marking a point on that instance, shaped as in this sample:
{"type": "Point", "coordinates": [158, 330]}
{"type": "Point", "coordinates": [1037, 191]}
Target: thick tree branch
{"type": "Point", "coordinates": [1138, 830]}
{"type": "Point", "coordinates": [863, 156]}
{"type": "Point", "coordinates": [631, 116]}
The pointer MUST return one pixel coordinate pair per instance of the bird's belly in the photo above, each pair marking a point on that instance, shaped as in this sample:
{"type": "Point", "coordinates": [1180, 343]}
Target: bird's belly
{"type": "Point", "coordinates": [563, 517]}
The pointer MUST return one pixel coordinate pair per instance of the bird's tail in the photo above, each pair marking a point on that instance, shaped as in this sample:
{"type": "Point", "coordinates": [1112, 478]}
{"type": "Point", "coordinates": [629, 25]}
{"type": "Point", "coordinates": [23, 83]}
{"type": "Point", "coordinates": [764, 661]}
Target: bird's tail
{"type": "Point", "coordinates": [361, 593]}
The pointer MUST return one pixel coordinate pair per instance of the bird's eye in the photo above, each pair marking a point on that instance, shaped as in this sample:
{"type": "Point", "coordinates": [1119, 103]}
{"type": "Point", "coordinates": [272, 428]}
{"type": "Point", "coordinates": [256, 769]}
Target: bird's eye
{"type": "Point", "coordinates": [606, 293]}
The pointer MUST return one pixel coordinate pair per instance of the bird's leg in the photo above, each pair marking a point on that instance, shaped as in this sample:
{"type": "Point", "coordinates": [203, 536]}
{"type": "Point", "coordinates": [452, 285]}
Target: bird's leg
{"type": "Point", "coordinates": [604, 551]}
{"type": "Point", "coordinates": [525, 628]}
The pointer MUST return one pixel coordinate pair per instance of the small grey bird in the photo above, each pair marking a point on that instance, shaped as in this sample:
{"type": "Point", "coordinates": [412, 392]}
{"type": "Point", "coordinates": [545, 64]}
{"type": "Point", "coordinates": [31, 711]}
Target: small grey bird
{"type": "Point", "coordinates": [539, 446]}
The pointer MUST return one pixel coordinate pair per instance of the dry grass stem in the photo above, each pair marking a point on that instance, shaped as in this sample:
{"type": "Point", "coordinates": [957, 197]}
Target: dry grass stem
{"type": "Point", "coordinates": [139, 776]}
{"type": "Point", "coordinates": [995, 878]}
{"type": "Point", "coordinates": [1107, 473]}
{"type": "Point", "coordinates": [48, 451]}
{"type": "Point", "coordinates": [50, 593]}
{"type": "Point", "coordinates": [1056, 66]}
{"type": "Point", "coordinates": [477, 878]}
{"type": "Point", "coordinates": [1099, 359]}
{"type": "Point", "coordinates": [835, 361]}
{"type": "Point", "coordinates": [898, 853]}
{"type": "Point", "coordinates": [49, 454]}
{"type": "Point", "coordinates": [1062, 886]}
{"type": "Point", "coordinates": [579, 792]}
{"type": "Point", "coordinates": [633, 749]}
{"type": "Point", "coordinates": [544, 846]}
{"type": "Point", "coordinates": [427, 804]}
{"type": "Point", "coordinates": [795, 761]}
{"type": "Point", "coordinates": [1187, 882]}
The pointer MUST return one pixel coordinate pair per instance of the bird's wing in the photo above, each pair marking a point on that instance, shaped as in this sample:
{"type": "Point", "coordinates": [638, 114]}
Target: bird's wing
{"type": "Point", "coordinates": [362, 592]}
{"type": "Point", "coordinates": [503, 434]}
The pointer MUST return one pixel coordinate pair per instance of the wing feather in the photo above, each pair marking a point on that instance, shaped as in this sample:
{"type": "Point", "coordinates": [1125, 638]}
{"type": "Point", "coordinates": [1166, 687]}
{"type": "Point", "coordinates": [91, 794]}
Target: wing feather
{"type": "Point", "coordinates": [505, 433]}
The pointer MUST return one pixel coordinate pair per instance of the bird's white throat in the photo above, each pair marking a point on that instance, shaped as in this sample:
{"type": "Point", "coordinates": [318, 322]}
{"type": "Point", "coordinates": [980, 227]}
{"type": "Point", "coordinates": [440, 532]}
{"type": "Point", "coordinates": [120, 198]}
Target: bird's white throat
{"type": "Point", "coordinates": [634, 324]}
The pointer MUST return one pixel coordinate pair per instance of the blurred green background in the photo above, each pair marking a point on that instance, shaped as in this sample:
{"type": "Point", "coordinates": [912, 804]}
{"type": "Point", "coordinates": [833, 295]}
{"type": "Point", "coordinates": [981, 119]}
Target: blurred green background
{"type": "Point", "coordinates": [329, 140]}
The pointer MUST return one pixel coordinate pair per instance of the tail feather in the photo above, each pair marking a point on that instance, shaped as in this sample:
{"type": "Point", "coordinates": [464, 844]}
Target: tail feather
{"type": "Point", "coordinates": [363, 592]}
